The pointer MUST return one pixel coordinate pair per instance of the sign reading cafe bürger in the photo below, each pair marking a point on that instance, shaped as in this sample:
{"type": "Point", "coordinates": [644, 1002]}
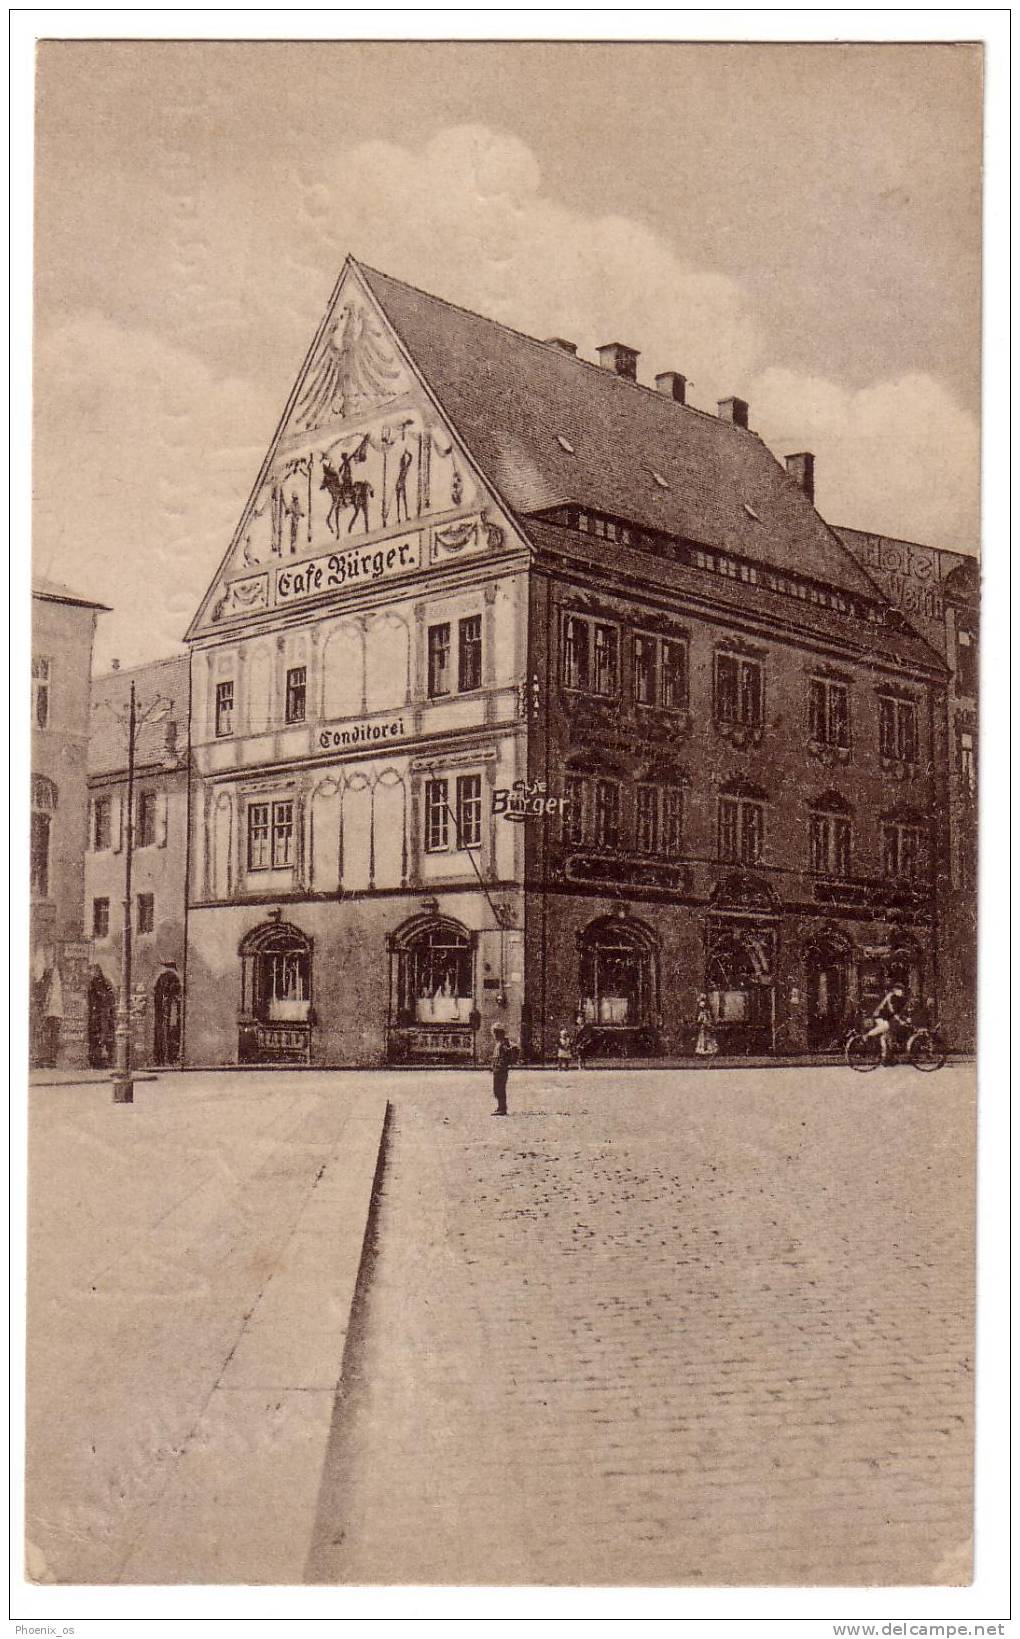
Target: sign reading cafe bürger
{"type": "Point", "coordinates": [354, 565]}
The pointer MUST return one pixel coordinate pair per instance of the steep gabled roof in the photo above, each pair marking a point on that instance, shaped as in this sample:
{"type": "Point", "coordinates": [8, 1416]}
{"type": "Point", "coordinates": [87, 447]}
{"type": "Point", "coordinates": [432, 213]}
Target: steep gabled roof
{"type": "Point", "coordinates": [547, 429]}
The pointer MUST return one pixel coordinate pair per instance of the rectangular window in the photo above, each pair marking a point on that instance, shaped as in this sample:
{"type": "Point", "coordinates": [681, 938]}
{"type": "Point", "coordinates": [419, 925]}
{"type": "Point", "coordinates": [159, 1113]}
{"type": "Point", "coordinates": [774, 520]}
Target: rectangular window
{"type": "Point", "coordinates": [146, 912]}
{"type": "Point", "coordinates": [645, 670]}
{"type": "Point", "coordinates": [741, 830]}
{"type": "Point", "coordinates": [574, 790]}
{"type": "Point", "coordinates": [146, 819]}
{"type": "Point", "coordinates": [897, 729]}
{"type": "Point", "coordinates": [283, 835]}
{"type": "Point", "coordinates": [901, 850]}
{"type": "Point", "coordinates": [270, 835]}
{"type": "Point", "coordinates": [672, 821]}
{"type": "Point", "coordinates": [607, 814]}
{"type": "Point", "coordinates": [100, 918]}
{"type": "Point", "coordinates": [40, 866]}
{"type": "Point", "coordinates": [967, 759]}
{"type": "Point", "coordinates": [224, 709]}
{"type": "Point", "coordinates": [906, 730]}
{"type": "Point", "coordinates": [102, 810]}
{"type": "Point", "coordinates": [605, 679]}
{"type": "Point", "coordinates": [258, 836]}
{"type": "Point", "coordinates": [297, 692]}
{"type": "Point", "coordinates": [829, 848]}
{"type": "Point", "coordinates": [648, 819]}
{"type": "Point", "coordinates": [437, 816]}
{"type": "Point", "coordinates": [673, 674]}
{"type": "Point", "coordinates": [469, 654]}
{"type": "Point", "coordinates": [439, 661]}
{"type": "Point", "coordinates": [829, 713]}
{"type": "Point", "coordinates": [469, 810]}
{"type": "Point", "coordinates": [729, 828]}
{"type": "Point", "coordinates": [738, 690]}
{"type": "Point", "coordinates": [575, 653]}
{"type": "Point", "coordinates": [40, 691]}
{"type": "Point", "coordinates": [966, 661]}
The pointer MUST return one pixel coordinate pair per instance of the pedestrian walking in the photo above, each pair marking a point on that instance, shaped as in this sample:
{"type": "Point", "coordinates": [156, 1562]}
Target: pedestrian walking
{"type": "Point", "coordinates": [502, 1055]}
{"type": "Point", "coordinates": [564, 1049]}
{"type": "Point", "coordinates": [707, 1043]}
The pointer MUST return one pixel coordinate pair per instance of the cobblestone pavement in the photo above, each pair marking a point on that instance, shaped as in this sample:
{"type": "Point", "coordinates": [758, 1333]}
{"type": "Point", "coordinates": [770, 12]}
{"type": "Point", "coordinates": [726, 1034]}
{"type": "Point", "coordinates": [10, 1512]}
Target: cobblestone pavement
{"type": "Point", "coordinates": [665, 1328]}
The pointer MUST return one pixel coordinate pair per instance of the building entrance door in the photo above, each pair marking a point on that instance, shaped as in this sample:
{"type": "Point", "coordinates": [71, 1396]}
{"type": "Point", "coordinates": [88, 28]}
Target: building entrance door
{"type": "Point", "coordinates": [825, 983]}
{"type": "Point", "coordinates": [102, 1018]}
{"type": "Point", "coordinates": [166, 1044]}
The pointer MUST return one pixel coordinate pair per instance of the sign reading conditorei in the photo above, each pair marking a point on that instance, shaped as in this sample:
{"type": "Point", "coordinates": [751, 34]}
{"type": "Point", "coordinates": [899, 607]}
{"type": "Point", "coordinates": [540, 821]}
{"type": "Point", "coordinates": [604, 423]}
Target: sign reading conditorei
{"type": "Point", "coordinates": [340, 736]}
{"type": "Point", "coordinates": [348, 566]}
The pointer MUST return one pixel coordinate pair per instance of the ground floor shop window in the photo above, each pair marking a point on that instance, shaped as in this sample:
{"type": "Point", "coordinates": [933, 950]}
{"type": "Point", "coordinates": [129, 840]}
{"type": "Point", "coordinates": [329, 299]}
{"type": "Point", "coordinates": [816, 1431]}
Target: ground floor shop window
{"type": "Point", "coordinates": [740, 986]}
{"type": "Point", "coordinates": [435, 976]}
{"type": "Point", "coordinates": [276, 974]}
{"type": "Point", "coordinates": [617, 974]}
{"type": "Point", "coordinates": [276, 995]}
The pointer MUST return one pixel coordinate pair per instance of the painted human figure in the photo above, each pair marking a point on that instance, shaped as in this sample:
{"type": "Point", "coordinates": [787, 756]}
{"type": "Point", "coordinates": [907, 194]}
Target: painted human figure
{"type": "Point", "coordinates": [295, 512]}
{"type": "Point", "coordinates": [400, 492]}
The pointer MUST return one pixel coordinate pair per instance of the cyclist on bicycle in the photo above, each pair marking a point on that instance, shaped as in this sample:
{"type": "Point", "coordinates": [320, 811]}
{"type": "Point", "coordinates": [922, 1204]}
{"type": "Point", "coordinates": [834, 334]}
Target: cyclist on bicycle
{"type": "Point", "coordinates": [891, 1021]}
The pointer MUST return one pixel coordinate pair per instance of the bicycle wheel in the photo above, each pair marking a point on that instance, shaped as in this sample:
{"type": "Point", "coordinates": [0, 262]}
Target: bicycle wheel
{"type": "Point", "coordinates": [926, 1052]}
{"type": "Point", "coordinates": [863, 1053]}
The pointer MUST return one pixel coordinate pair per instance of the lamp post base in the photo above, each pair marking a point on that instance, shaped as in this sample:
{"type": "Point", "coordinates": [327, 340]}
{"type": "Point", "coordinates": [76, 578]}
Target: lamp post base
{"type": "Point", "coordinates": [123, 1090]}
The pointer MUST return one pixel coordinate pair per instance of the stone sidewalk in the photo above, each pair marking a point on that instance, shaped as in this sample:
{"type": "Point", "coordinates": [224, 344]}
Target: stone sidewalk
{"type": "Point", "coordinates": [675, 1329]}
{"type": "Point", "coordinates": [193, 1261]}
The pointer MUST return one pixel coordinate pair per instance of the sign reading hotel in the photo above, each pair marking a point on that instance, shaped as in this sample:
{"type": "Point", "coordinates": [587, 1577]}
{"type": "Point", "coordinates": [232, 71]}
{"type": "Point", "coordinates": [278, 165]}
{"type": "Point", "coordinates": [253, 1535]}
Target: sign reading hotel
{"type": "Point", "coordinates": [360, 735]}
{"type": "Point", "coordinates": [349, 566]}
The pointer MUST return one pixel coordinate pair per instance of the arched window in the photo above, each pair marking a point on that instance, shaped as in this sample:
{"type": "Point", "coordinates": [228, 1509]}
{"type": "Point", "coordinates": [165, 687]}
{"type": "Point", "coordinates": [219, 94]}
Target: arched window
{"type": "Point", "coordinates": [739, 983]}
{"type": "Point", "coordinates": [435, 982]}
{"type": "Point", "coordinates": [276, 974]}
{"type": "Point", "coordinates": [617, 974]}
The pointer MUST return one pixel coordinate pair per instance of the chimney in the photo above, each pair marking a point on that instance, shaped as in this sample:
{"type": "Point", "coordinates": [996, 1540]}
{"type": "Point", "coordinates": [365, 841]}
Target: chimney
{"type": "Point", "coordinates": [673, 384]}
{"type": "Point", "coordinates": [735, 410]}
{"type": "Point", "coordinates": [564, 346]}
{"type": "Point", "coordinates": [802, 470]}
{"type": "Point", "coordinates": [620, 359]}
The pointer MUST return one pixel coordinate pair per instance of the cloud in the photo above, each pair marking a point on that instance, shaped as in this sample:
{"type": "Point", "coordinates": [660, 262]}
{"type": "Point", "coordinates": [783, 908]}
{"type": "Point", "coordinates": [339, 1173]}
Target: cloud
{"type": "Point", "coordinates": [143, 459]}
{"type": "Point", "coordinates": [898, 457]}
{"type": "Point", "coordinates": [152, 419]}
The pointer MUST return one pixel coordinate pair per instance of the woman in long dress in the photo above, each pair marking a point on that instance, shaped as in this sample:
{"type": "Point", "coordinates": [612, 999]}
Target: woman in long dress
{"type": "Point", "coordinates": [706, 1043]}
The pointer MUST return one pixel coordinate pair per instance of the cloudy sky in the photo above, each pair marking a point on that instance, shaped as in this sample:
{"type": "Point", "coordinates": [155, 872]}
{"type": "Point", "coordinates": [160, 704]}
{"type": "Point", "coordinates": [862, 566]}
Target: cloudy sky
{"type": "Point", "coordinates": [795, 224]}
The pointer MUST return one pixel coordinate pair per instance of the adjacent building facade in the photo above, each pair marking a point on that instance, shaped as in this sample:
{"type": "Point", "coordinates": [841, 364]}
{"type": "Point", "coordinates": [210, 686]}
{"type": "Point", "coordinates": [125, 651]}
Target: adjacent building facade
{"type": "Point", "coordinates": [528, 694]}
{"type": "Point", "coordinates": [938, 591]}
{"type": "Point", "coordinates": [159, 841]}
{"type": "Point", "coordinates": [63, 629]}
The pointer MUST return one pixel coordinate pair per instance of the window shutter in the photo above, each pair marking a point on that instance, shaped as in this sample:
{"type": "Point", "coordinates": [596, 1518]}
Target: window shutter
{"type": "Point", "coordinates": [116, 823]}
{"type": "Point", "coordinates": [91, 843]}
{"type": "Point", "coordinates": [162, 818]}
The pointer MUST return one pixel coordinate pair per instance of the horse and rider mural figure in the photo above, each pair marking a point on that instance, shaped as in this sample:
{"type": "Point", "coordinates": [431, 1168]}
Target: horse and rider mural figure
{"type": "Point", "coordinates": [345, 490]}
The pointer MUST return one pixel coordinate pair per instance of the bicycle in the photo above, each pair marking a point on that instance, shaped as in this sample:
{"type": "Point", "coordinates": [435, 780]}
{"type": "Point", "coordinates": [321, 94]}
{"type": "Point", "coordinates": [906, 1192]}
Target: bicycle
{"type": "Point", "coordinates": [924, 1049]}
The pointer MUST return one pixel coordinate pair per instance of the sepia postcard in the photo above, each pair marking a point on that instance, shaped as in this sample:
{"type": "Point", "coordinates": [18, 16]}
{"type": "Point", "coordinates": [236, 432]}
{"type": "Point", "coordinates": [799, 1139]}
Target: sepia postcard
{"type": "Point", "coordinates": [505, 644]}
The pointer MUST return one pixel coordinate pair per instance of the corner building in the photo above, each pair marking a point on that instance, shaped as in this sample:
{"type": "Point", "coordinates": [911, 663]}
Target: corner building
{"type": "Point", "coordinates": [527, 693]}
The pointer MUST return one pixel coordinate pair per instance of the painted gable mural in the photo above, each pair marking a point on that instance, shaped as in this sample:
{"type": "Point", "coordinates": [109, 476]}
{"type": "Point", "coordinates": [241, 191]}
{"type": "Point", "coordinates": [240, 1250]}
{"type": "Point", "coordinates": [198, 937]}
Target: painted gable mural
{"type": "Point", "coordinates": [364, 482]}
